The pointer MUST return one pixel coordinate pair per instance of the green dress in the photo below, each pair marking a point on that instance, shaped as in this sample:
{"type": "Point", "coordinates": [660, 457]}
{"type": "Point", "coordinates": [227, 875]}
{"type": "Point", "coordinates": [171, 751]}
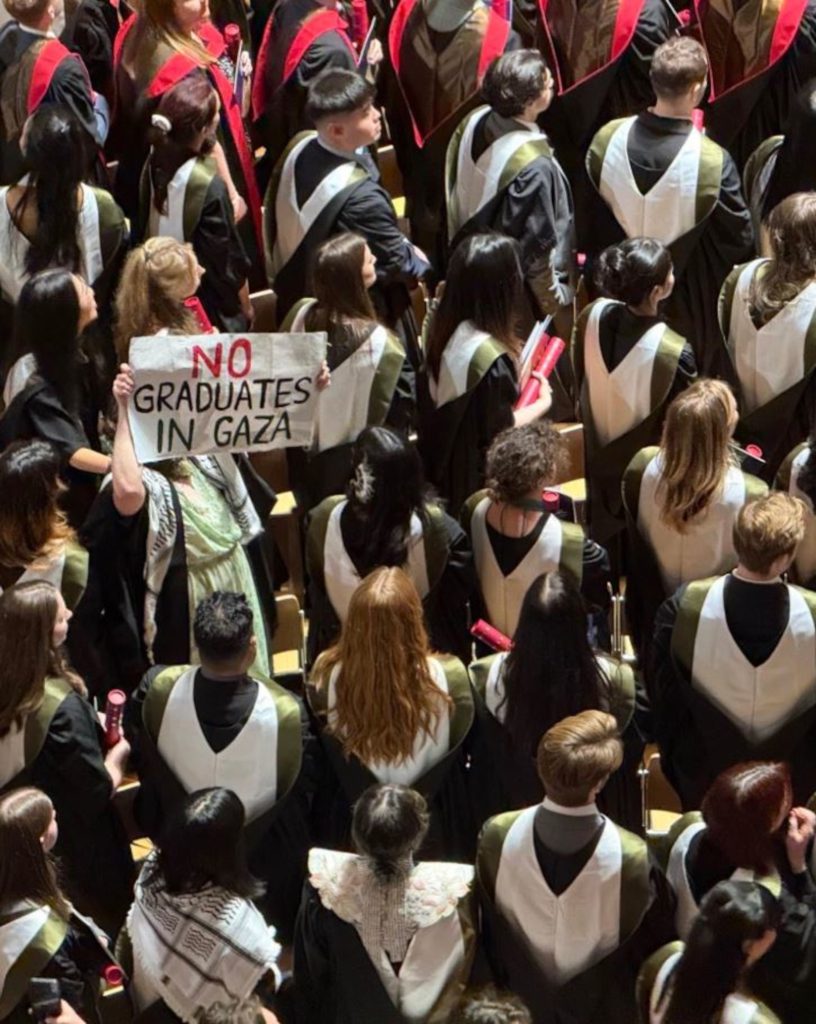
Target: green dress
{"type": "Point", "coordinates": [216, 559]}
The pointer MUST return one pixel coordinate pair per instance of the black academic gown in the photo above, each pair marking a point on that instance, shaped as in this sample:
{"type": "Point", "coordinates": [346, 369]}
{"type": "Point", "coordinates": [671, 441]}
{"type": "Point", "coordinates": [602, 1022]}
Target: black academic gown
{"type": "Point", "coordinates": [617, 89]}
{"type": "Point", "coordinates": [743, 115]}
{"type": "Point", "coordinates": [445, 605]}
{"type": "Point", "coordinates": [704, 256]}
{"type": "Point", "coordinates": [90, 28]}
{"type": "Point", "coordinates": [536, 209]}
{"type": "Point", "coordinates": [698, 741]}
{"type": "Point", "coordinates": [278, 841]}
{"type": "Point", "coordinates": [366, 209]}
{"type": "Point", "coordinates": [453, 439]}
{"type": "Point", "coordinates": [96, 870]}
{"type": "Point", "coordinates": [69, 87]}
{"type": "Point", "coordinates": [284, 111]}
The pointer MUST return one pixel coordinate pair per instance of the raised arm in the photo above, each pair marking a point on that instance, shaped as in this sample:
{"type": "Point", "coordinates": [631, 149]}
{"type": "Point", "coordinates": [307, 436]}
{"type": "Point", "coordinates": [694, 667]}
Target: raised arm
{"type": "Point", "coordinates": [128, 488]}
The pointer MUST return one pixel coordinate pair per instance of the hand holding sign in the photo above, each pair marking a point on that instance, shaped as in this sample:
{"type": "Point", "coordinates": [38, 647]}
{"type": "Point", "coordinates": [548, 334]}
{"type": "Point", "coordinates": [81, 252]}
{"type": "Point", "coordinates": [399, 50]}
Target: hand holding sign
{"type": "Point", "coordinates": [222, 392]}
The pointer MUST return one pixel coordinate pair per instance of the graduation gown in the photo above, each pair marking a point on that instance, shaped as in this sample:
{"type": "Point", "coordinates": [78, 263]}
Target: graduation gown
{"type": "Point", "coordinates": [436, 769]}
{"type": "Point", "coordinates": [90, 28]}
{"type": "Point", "coordinates": [59, 750]}
{"type": "Point", "coordinates": [660, 177]}
{"type": "Point", "coordinates": [315, 193]}
{"type": "Point", "coordinates": [656, 974]}
{"type": "Point", "coordinates": [301, 39]}
{"type": "Point", "coordinates": [513, 776]}
{"type": "Point", "coordinates": [439, 563]}
{"type": "Point", "coordinates": [559, 546]}
{"type": "Point", "coordinates": [713, 708]}
{"type": "Point", "coordinates": [263, 764]}
{"type": "Point", "coordinates": [37, 942]}
{"type": "Point", "coordinates": [757, 177]}
{"type": "Point", "coordinates": [501, 175]}
{"type": "Point", "coordinates": [340, 981]}
{"type": "Point", "coordinates": [623, 408]}
{"type": "Point", "coordinates": [435, 78]}
{"type": "Point", "coordinates": [804, 564]}
{"type": "Point", "coordinates": [199, 211]}
{"type": "Point", "coordinates": [664, 558]}
{"type": "Point", "coordinates": [37, 69]}
{"type": "Point", "coordinates": [373, 387]}
{"type": "Point", "coordinates": [568, 956]}
{"type": "Point", "coordinates": [599, 52]}
{"type": "Point", "coordinates": [461, 413]}
{"type": "Point", "coordinates": [760, 55]}
{"type": "Point", "coordinates": [141, 80]}
{"type": "Point", "coordinates": [772, 366]}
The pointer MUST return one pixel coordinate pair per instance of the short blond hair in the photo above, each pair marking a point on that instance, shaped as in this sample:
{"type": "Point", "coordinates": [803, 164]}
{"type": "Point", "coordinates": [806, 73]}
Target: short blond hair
{"type": "Point", "coordinates": [27, 12]}
{"type": "Point", "coordinates": [577, 754]}
{"type": "Point", "coordinates": [767, 529]}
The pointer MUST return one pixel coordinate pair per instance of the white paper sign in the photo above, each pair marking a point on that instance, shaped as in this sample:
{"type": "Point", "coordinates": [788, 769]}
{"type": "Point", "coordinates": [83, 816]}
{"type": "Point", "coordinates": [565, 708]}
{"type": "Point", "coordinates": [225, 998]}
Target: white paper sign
{"type": "Point", "coordinates": [223, 392]}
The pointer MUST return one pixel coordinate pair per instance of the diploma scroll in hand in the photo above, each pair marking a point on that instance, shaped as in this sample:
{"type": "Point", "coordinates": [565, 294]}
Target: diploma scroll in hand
{"type": "Point", "coordinates": [545, 357]}
{"type": "Point", "coordinates": [491, 636]}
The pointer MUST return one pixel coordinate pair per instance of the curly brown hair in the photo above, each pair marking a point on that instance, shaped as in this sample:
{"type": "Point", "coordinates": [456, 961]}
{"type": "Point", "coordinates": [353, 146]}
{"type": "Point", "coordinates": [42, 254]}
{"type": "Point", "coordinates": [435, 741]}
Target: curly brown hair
{"type": "Point", "coordinates": [521, 458]}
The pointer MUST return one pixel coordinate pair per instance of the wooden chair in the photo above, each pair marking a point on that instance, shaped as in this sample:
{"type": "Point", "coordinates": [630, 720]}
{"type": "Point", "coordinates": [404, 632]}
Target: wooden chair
{"type": "Point", "coordinates": [289, 643]}
{"type": "Point", "coordinates": [661, 805]}
{"type": "Point", "coordinates": [390, 174]}
{"type": "Point", "coordinates": [573, 435]}
{"type": "Point", "coordinates": [265, 304]}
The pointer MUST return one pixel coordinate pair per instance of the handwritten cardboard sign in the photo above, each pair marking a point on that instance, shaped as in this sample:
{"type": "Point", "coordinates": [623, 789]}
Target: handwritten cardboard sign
{"type": "Point", "coordinates": [223, 392]}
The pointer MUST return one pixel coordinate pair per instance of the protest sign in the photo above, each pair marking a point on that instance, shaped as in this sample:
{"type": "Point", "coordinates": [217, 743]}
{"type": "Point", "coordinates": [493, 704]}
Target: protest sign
{"type": "Point", "coordinates": [223, 392]}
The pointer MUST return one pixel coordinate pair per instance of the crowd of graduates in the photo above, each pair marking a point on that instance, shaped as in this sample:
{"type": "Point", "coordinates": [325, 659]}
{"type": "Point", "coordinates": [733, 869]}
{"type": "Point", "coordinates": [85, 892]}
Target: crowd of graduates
{"type": "Point", "coordinates": [438, 817]}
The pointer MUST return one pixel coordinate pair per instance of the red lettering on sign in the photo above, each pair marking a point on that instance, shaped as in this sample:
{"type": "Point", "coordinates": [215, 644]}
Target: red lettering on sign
{"type": "Point", "coordinates": [239, 345]}
{"type": "Point", "coordinates": [213, 365]}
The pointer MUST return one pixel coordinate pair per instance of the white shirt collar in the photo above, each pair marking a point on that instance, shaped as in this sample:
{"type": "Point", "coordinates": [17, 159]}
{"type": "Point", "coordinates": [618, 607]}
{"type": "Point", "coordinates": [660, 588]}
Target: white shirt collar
{"type": "Point", "coordinates": [38, 32]}
{"type": "Point", "coordinates": [337, 152]}
{"type": "Point", "coordinates": [584, 811]}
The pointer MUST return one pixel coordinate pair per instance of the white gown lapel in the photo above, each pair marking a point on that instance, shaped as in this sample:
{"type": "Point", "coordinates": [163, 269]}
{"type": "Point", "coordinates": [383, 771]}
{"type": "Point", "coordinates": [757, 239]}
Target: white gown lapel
{"type": "Point", "coordinates": [565, 934]}
{"type": "Point", "coordinates": [16, 936]}
{"type": "Point", "coordinates": [248, 766]}
{"type": "Point", "coordinates": [171, 223]}
{"type": "Point", "coordinates": [342, 410]}
{"type": "Point", "coordinates": [677, 875]}
{"type": "Point", "coordinates": [668, 210]}
{"type": "Point", "coordinates": [455, 364]}
{"type": "Point", "coordinates": [757, 700]}
{"type": "Point", "coordinates": [806, 551]}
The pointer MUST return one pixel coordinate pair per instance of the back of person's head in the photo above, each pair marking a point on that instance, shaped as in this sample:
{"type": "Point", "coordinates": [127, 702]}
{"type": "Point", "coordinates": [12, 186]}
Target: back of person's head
{"type": "Point", "coordinates": [577, 755]}
{"type": "Point", "coordinates": [222, 630]}
{"type": "Point", "coordinates": [488, 1006]}
{"type": "Point", "coordinates": [388, 826]}
{"type": "Point", "coordinates": [551, 672]}
{"type": "Point", "coordinates": [695, 450]}
{"type": "Point", "coordinates": [184, 112]}
{"type": "Point", "coordinates": [160, 17]}
{"type": "Point", "coordinates": [514, 81]}
{"type": "Point", "coordinates": [27, 871]}
{"type": "Point", "coordinates": [736, 925]}
{"type": "Point", "coordinates": [235, 1011]}
{"type": "Point", "coordinates": [677, 66]}
{"type": "Point", "coordinates": [32, 525]}
{"type": "Point", "coordinates": [27, 12]}
{"type": "Point", "coordinates": [792, 235]}
{"type": "Point", "coordinates": [336, 92]}
{"type": "Point", "coordinates": [522, 459]}
{"type": "Point", "coordinates": [156, 279]}
{"type": "Point", "coordinates": [794, 169]}
{"type": "Point", "coordinates": [55, 150]}
{"type": "Point", "coordinates": [483, 285]}
{"type": "Point", "coordinates": [767, 530]}
{"type": "Point", "coordinates": [385, 694]}
{"type": "Point", "coordinates": [202, 844]}
{"type": "Point", "coordinates": [337, 279]}
{"type": "Point", "coordinates": [746, 809]}
{"type": "Point", "coordinates": [46, 323]}
{"type": "Point", "coordinates": [386, 487]}
{"type": "Point", "coordinates": [632, 269]}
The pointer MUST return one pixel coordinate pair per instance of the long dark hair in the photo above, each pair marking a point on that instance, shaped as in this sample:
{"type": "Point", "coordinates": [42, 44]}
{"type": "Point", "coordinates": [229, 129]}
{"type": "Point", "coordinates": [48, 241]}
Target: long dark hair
{"type": "Point", "coordinates": [714, 958]}
{"type": "Point", "coordinates": [203, 844]}
{"type": "Point", "coordinates": [483, 285]}
{"type": "Point", "coordinates": [27, 871]}
{"type": "Point", "coordinates": [344, 308]}
{"type": "Point", "coordinates": [189, 107]}
{"type": "Point", "coordinates": [387, 485]}
{"type": "Point", "coordinates": [46, 319]}
{"type": "Point", "coordinates": [795, 168]}
{"type": "Point", "coordinates": [57, 159]}
{"type": "Point", "coordinates": [551, 672]}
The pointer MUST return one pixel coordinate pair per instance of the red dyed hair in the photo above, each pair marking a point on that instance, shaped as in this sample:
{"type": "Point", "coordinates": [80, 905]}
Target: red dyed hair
{"type": "Point", "coordinates": [742, 811]}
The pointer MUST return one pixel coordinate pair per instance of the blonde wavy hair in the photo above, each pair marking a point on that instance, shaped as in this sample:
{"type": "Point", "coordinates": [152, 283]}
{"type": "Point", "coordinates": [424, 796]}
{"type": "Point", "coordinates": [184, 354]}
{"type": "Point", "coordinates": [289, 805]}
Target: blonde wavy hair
{"type": "Point", "coordinates": [385, 695]}
{"type": "Point", "coordinates": [792, 236]}
{"type": "Point", "coordinates": [156, 24]}
{"type": "Point", "coordinates": [696, 452]}
{"type": "Point", "coordinates": [156, 280]}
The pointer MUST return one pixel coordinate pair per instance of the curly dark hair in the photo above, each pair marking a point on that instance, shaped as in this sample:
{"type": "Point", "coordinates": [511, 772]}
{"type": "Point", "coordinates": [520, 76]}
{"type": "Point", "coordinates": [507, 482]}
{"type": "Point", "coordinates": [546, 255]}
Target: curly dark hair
{"type": "Point", "coordinates": [521, 457]}
{"type": "Point", "coordinates": [489, 1006]}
